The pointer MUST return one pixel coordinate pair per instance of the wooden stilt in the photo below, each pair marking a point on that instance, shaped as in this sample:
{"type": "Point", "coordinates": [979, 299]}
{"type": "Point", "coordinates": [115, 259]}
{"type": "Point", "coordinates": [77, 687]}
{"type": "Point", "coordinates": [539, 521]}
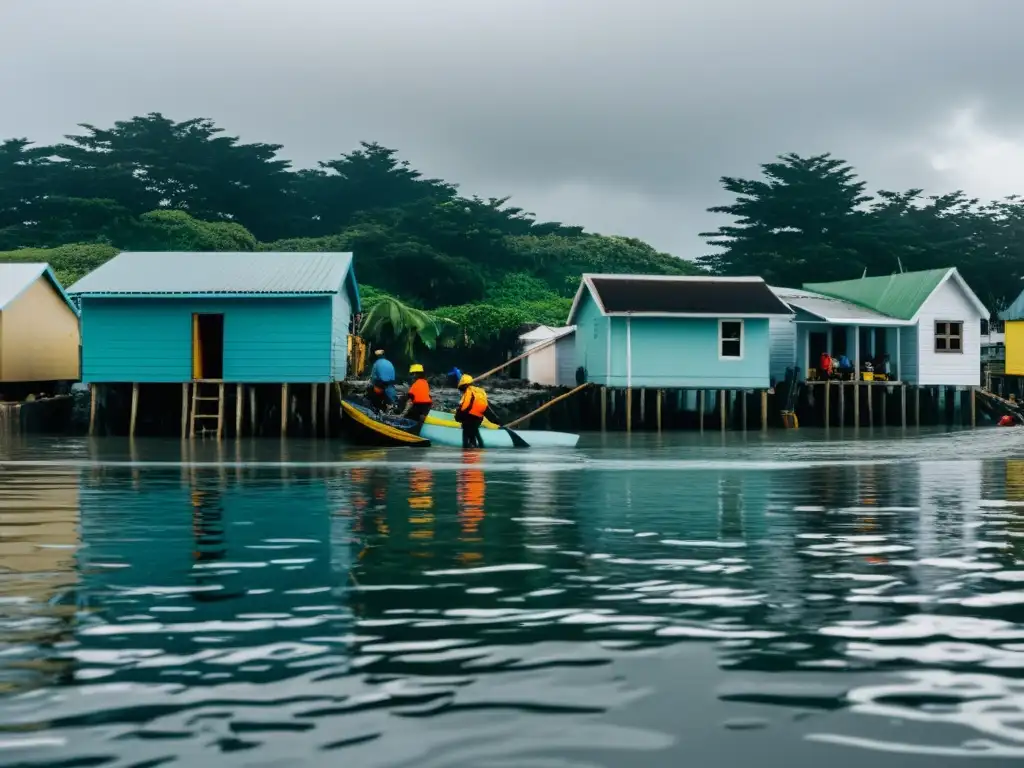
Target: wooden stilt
{"type": "Point", "coordinates": [657, 408]}
{"type": "Point", "coordinates": [135, 409]}
{"type": "Point", "coordinates": [252, 411]}
{"type": "Point", "coordinates": [327, 409]}
{"type": "Point", "coordinates": [239, 407]}
{"type": "Point", "coordinates": [92, 408]}
{"type": "Point", "coordinates": [885, 407]}
{"type": "Point", "coordinates": [604, 409]}
{"type": "Point", "coordinates": [220, 410]}
{"type": "Point", "coordinates": [743, 409]}
{"type": "Point", "coordinates": [871, 406]}
{"type": "Point", "coordinates": [184, 410]}
{"type": "Point", "coordinates": [974, 406]}
{"type": "Point", "coordinates": [284, 410]}
{"type": "Point", "coordinates": [842, 403]}
{"type": "Point", "coordinates": [828, 400]}
{"type": "Point", "coordinates": [722, 407]}
{"type": "Point", "coordinates": [629, 410]}
{"type": "Point", "coordinates": [764, 410]}
{"type": "Point", "coordinates": [903, 406]}
{"type": "Point", "coordinates": [856, 405]}
{"type": "Point", "coordinates": [700, 409]}
{"type": "Point", "coordinates": [192, 415]}
{"type": "Point", "coordinates": [312, 407]}
{"type": "Point", "coordinates": [643, 408]}
{"type": "Point", "coordinates": [917, 406]}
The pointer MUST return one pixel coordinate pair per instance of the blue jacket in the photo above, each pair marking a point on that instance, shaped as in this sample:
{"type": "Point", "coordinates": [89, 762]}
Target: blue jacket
{"type": "Point", "coordinates": [382, 372]}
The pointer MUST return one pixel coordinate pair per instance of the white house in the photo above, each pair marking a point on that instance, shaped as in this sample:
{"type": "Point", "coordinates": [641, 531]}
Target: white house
{"type": "Point", "coordinates": [928, 323]}
{"type": "Point", "coordinates": [554, 361]}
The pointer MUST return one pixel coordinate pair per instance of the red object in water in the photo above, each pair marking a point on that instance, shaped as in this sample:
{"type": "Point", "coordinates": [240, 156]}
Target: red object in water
{"type": "Point", "coordinates": [1006, 421]}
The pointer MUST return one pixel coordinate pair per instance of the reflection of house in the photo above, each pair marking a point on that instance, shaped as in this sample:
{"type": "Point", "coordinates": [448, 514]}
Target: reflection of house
{"type": "Point", "coordinates": [38, 326]}
{"type": "Point", "coordinates": [553, 363]}
{"type": "Point", "coordinates": [927, 323]}
{"type": "Point", "coordinates": [651, 331]}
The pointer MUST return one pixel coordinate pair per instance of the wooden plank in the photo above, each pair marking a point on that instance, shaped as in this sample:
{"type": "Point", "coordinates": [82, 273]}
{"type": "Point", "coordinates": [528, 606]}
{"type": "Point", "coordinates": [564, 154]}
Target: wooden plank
{"type": "Point", "coordinates": [184, 410]}
{"type": "Point", "coordinates": [764, 410]}
{"type": "Point", "coordinates": [548, 404]}
{"type": "Point", "coordinates": [604, 409]}
{"type": "Point", "coordinates": [135, 409]}
{"type": "Point", "coordinates": [239, 407]}
{"type": "Point", "coordinates": [220, 411]}
{"type": "Point", "coordinates": [284, 410]}
{"type": "Point", "coordinates": [312, 407]}
{"type": "Point", "coordinates": [92, 408]}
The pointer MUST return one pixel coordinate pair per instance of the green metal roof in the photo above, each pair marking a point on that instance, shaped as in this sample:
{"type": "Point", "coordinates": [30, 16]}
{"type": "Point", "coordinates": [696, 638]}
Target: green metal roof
{"type": "Point", "coordinates": [191, 273]}
{"type": "Point", "coordinates": [1015, 311]}
{"type": "Point", "coordinates": [898, 296]}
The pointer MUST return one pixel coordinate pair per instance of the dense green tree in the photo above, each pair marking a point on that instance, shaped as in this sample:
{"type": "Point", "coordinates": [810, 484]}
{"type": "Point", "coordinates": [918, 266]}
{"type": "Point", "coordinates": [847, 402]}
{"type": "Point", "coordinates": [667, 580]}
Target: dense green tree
{"type": "Point", "coordinates": [70, 263]}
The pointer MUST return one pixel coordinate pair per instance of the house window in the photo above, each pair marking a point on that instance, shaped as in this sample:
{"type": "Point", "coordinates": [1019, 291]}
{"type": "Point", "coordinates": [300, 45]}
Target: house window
{"type": "Point", "coordinates": [730, 339]}
{"type": "Point", "coordinates": [949, 336]}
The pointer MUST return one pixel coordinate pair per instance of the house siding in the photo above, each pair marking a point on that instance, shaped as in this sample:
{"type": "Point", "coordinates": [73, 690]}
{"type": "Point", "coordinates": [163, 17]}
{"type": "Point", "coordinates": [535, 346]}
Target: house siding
{"type": "Point", "coordinates": [949, 303]}
{"type": "Point", "coordinates": [539, 367]}
{"type": "Point", "coordinates": [908, 355]}
{"type": "Point", "coordinates": [566, 361]}
{"type": "Point", "coordinates": [782, 346]}
{"type": "Point", "coordinates": [591, 340]}
{"type": "Point", "coordinates": [1015, 347]}
{"type": "Point", "coordinates": [149, 340]}
{"type": "Point", "coordinates": [341, 317]}
{"type": "Point", "coordinates": [39, 336]}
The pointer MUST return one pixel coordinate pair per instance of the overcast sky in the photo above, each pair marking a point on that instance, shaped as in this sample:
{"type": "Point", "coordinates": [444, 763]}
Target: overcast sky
{"type": "Point", "coordinates": [620, 115]}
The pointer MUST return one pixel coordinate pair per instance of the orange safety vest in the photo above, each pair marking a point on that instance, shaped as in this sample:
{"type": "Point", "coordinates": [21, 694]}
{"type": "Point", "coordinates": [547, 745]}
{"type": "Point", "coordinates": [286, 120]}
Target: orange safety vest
{"type": "Point", "coordinates": [419, 392]}
{"type": "Point", "coordinates": [474, 402]}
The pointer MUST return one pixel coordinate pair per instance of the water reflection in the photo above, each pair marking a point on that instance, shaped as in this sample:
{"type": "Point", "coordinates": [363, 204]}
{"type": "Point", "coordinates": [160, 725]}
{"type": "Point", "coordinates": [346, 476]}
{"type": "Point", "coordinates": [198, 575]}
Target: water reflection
{"type": "Point", "coordinates": [474, 608]}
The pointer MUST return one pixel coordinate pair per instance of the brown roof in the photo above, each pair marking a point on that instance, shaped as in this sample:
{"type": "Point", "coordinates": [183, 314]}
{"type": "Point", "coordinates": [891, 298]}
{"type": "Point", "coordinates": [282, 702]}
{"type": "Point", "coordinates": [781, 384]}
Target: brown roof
{"type": "Point", "coordinates": [742, 296]}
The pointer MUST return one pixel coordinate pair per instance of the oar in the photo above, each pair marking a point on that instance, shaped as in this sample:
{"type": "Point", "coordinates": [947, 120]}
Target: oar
{"type": "Point", "coordinates": [517, 440]}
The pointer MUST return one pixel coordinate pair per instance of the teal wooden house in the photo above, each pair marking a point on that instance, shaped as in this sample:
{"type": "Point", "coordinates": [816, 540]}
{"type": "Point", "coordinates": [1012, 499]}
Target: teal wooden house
{"type": "Point", "coordinates": [658, 332]}
{"type": "Point", "coordinates": [228, 318]}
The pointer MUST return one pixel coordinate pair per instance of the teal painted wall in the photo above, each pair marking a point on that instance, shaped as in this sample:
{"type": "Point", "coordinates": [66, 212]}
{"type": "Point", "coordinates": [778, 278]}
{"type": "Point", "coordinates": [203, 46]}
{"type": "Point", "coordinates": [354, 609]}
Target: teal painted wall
{"type": "Point", "coordinates": [668, 353]}
{"type": "Point", "coordinates": [149, 340]}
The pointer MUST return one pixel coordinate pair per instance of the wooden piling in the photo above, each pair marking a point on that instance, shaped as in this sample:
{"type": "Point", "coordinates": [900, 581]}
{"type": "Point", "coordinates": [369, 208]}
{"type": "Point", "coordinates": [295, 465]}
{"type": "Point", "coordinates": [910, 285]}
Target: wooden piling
{"type": "Point", "coordinates": [327, 409]}
{"type": "Point", "coordinates": [643, 408]}
{"type": "Point", "coordinates": [604, 409]}
{"type": "Point", "coordinates": [92, 408]}
{"type": "Point", "coordinates": [220, 411]}
{"type": "Point", "coordinates": [917, 406]}
{"type": "Point", "coordinates": [743, 409]}
{"type": "Point", "coordinates": [135, 409]}
{"type": "Point", "coordinates": [764, 410]}
{"type": "Point", "coordinates": [312, 408]}
{"type": "Point", "coordinates": [722, 407]}
{"type": "Point", "coordinates": [903, 406]}
{"type": "Point", "coordinates": [192, 422]}
{"type": "Point", "coordinates": [828, 400]}
{"type": "Point", "coordinates": [184, 410]}
{"type": "Point", "coordinates": [629, 410]}
{"type": "Point", "coordinates": [284, 410]}
{"type": "Point", "coordinates": [842, 403]}
{"type": "Point", "coordinates": [885, 406]}
{"type": "Point", "coordinates": [700, 409]}
{"type": "Point", "coordinates": [974, 406]}
{"type": "Point", "coordinates": [856, 405]}
{"type": "Point", "coordinates": [871, 406]}
{"type": "Point", "coordinates": [657, 408]}
{"type": "Point", "coordinates": [252, 411]}
{"type": "Point", "coordinates": [239, 407]}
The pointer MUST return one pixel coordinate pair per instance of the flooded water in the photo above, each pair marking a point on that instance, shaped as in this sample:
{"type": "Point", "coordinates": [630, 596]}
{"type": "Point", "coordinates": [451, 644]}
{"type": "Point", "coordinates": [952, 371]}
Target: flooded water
{"type": "Point", "coordinates": [786, 600]}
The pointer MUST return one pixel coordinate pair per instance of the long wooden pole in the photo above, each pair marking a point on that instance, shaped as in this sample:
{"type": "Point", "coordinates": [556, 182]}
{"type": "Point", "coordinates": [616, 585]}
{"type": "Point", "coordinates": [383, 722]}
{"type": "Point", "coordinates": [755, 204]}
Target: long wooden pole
{"type": "Point", "coordinates": [527, 353]}
{"type": "Point", "coordinates": [547, 405]}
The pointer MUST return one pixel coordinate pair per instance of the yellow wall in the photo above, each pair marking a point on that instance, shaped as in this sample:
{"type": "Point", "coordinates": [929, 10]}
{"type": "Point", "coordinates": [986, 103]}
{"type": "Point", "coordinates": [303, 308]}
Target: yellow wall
{"type": "Point", "coordinates": [39, 337]}
{"type": "Point", "coordinates": [1015, 348]}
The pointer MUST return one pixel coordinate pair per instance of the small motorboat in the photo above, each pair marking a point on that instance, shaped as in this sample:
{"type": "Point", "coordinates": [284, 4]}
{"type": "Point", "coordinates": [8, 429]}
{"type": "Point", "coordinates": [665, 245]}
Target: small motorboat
{"type": "Point", "coordinates": [441, 428]}
{"type": "Point", "coordinates": [364, 427]}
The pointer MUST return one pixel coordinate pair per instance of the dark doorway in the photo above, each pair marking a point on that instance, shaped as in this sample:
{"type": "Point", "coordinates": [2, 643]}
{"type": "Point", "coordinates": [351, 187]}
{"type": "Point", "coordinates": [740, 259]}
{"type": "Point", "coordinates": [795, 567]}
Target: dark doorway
{"type": "Point", "coordinates": [817, 343]}
{"type": "Point", "coordinates": [207, 346]}
{"type": "Point", "coordinates": [838, 341]}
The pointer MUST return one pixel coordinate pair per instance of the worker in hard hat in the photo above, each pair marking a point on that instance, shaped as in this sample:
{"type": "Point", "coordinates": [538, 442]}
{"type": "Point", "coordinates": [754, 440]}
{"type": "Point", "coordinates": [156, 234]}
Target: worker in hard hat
{"type": "Point", "coordinates": [416, 403]}
{"type": "Point", "coordinates": [471, 412]}
{"type": "Point", "coordinates": [382, 393]}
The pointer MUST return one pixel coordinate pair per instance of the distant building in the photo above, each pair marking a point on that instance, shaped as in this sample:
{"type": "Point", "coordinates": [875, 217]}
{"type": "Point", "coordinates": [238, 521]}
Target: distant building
{"type": "Point", "coordinates": [553, 363]}
{"type": "Point", "coordinates": [247, 318]}
{"type": "Point", "coordinates": [39, 336]}
{"type": "Point", "coordinates": [1013, 317]}
{"type": "Point", "coordinates": [652, 331]}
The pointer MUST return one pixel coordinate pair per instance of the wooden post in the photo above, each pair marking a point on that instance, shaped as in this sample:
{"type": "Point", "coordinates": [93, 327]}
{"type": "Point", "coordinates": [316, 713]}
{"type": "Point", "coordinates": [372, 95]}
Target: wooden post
{"type": "Point", "coordinates": [657, 408]}
{"type": "Point", "coordinates": [974, 405]}
{"type": "Point", "coordinates": [92, 408]}
{"type": "Point", "coordinates": [327, 409]}
{"type": "Point", "coordinates": [629, 410]}
{"type": "Point", "coordinates": [252, 411]}
{"type": "Point", "coordinates": [828, 400]}
{"type": "Point", "coordinates": [312, 407]}
{"type": "Point", "coordinates": [184, 410]}
{"type": "Point", "coordinates": [284, 410]}
{"type": "Point", "coordinates": [239, 406]}
{"type": "Point", "coordinates": [856, 404]}
{"type": "Point", "coordinates": [643, 408]}
{"type": "Point", "coordinates": [842, 403]}
{"type": "Point", "coordinates": [764, 410]}
{"type": "Point", "coordinates": [722, 407]}
{"type": "Point", "coordinates": [700, 409]}
{"type": "Point", "coordinates": [604, 408]}
{"type": "Point", "coordinates": [220, 410]}
{"type": "Point", "coordinates": [871, 406]}
{"type": "Point", "coordinates": [903, 405]}
{"type": "Point", "coordinates": [917, 406]}
{"type": "Point", "coordinates": [743, 408]}
{"type": "Point", "coordinates": [135, 409]}
{"type": "Point", "coordinates": [192, 424]}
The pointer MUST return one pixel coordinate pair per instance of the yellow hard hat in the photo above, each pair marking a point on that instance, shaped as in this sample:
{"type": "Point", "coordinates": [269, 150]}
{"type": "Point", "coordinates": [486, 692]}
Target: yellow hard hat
{"type": "Point", "coordinates": [415, 368]}
{"type": "Point", "coordinates": [465, 381]}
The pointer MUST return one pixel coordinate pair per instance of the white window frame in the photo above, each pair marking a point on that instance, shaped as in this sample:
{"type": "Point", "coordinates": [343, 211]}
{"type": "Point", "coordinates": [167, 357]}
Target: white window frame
{"type": "Point", "coordinates": [743, 340]}
{"type": "Point", "coordinates": [947, 336]}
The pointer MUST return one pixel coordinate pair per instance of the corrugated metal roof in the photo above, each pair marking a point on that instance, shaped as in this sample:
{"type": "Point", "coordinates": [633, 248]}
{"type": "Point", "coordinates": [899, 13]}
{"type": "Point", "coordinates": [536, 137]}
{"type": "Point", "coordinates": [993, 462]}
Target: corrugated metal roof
{"type": "Point", "coordinates": [220, 273]}
{"type": "Point", "coordinates": [1015, 311]}
{"type": "Point", "coordinates": [898, 296]}
{"type": "Point", "coordinates": [545, 332]}
{"type": "Point", "coordinates": [833, 310]}
{"type": "Point", "coordinates": [17, 277]}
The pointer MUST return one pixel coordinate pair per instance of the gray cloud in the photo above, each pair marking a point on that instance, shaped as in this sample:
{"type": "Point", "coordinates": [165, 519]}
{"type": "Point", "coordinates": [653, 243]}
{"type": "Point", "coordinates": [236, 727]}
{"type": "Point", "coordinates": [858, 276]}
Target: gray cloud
{"type": "Point", "coordinates": [620, 115]}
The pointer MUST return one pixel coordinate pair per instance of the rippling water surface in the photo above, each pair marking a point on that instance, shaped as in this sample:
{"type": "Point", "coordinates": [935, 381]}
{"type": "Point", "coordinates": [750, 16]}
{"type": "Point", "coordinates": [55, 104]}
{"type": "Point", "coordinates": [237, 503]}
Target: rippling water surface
{"type": "Point", "coordinates": [790, 600]}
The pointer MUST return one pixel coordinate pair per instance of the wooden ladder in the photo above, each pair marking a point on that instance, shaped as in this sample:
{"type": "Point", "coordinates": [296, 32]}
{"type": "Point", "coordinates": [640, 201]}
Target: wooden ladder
{"type": "Point", "coordinates": [197, 408]}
